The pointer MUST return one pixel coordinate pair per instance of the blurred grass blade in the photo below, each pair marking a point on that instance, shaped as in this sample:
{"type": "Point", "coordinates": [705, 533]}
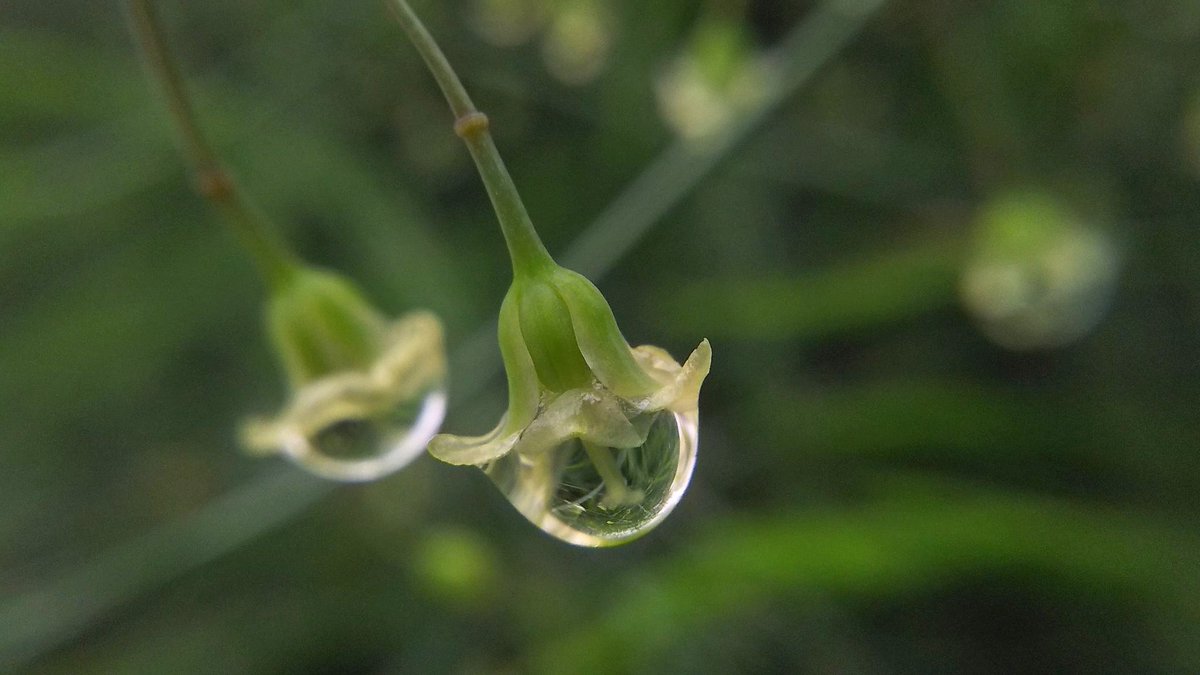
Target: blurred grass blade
{"type": "Point", "coordinates": [960, 425]}
{"type": "Point", "coordinates": [48, 616]}
{"type": "Point", "coordinates": [918, 539]}
{"type": "Point", "coordinates": [852, 297]}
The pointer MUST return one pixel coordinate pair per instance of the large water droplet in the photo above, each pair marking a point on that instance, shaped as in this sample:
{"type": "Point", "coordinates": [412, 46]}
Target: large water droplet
{"type": "Point", "coordinates": [367, 448]}
{"type": "Point", "coordinates": [599, 496]}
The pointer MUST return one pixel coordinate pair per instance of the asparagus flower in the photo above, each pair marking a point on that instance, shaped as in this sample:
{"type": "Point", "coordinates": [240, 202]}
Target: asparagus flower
{"type": "Point", "coordinates": [365, 392]}
{"type": "Point", "coordinates": [598, 443]}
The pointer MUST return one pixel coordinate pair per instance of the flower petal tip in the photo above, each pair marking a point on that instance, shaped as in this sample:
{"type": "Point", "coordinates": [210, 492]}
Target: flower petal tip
{"type": "Point", "coordinates": [472, 450]}
{"type": "Point", "coordinates": [680, 390]}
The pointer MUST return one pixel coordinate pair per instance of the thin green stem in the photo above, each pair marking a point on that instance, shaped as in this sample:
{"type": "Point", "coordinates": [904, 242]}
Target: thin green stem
{"type": "Point", "coordinates": [276, 262]}
{"type": "Point", "coordinates": [525, 247]}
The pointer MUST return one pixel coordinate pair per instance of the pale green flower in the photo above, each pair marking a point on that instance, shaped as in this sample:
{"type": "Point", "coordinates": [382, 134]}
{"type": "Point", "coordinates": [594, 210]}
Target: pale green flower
{"type": "Point", "coordinates": [366, 392]}
{"type": "Point", "coordinates": [572, 375]}
{"type": "Point", "coordinates": [599, 441]}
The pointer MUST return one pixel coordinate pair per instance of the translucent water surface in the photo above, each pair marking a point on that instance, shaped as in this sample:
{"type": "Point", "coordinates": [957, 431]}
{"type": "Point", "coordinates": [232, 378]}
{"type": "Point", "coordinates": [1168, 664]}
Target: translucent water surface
{"type": "Point", "coordinates": [368, 448]}
{"type": "Point", "coordinates": [599, 496]}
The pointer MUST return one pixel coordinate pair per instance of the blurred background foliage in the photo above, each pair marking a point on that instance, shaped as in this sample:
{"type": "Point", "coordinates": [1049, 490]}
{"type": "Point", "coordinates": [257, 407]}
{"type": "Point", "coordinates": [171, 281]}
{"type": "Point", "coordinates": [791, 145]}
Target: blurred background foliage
{"type": "Point", "coordinates": [945, 251]}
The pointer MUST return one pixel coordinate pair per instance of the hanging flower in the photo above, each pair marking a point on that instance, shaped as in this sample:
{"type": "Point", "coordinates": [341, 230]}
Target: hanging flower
{"type": "Point", "coordinates": [599, 440]}
{"type": "Point", "coordinates": [1039, 276]}
{"type": "Point", "coordinates": [366, 393]}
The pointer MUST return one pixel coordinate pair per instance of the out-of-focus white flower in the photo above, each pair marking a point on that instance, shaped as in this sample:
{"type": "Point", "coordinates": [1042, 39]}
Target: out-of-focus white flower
{"type": "Point", "coordinates": [1038, 276]}
{"type": "Point", "coordinates": [366, 392]}
{"type": "Point", "coordinates": [717, 77]}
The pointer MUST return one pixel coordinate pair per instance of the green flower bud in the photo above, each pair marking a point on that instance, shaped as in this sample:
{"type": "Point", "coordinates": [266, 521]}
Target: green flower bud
{"type": "Point", "coordinates": [320, 324]}
{"type": "Point", "coordinates": [714, 81]}
{"type": "Point", "coordinates": [366, 392]}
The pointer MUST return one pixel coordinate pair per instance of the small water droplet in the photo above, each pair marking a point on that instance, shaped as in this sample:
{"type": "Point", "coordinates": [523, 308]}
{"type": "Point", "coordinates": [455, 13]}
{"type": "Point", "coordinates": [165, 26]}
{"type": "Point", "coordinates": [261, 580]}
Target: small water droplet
{"type": "Point", "coordinates": [591, 495]}
{"type": "Point", "coordinates": [363, 449]}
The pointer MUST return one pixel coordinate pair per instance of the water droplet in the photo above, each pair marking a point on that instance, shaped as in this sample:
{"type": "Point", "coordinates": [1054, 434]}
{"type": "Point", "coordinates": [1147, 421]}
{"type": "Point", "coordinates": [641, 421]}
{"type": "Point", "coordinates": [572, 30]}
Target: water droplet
{"type": "Point", "coordinates": [367, 448]}
{"type": "Point", "coordinates": [591, 495]}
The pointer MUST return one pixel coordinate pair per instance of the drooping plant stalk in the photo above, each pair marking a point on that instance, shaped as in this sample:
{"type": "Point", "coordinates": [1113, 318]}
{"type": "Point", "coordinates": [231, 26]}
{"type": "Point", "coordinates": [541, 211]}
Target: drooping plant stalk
{"type": "Point", "coordinates": [573, 378]}
{"type": "Point", "coordinates": [525, 247]}
{"type": "Point", "coordinates": [276, 262]}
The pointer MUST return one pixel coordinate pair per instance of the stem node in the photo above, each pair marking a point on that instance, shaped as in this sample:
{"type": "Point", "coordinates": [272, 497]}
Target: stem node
{"type": "Point", "coordinates": [214, 184]}
{"type": "Point", "coordinates": [274, 258]}
{"type": "Point", "coordinates": [525, 248]}
{"type": "Point", "coordinates": [471, 125]}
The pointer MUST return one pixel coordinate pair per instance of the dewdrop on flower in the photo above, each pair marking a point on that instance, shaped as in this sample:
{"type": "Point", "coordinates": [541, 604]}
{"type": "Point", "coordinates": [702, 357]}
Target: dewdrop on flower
{"type": "Point", "coordinates": [599, 441]}
{"type": "Point", "coordinates": [366, 393]}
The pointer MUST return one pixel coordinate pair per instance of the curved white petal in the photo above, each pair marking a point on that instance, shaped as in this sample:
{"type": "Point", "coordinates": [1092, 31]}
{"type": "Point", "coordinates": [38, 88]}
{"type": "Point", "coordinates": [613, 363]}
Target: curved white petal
{"type": "Point", "coordinates": [594, 415]}
{"type": "Point", "coordinates": [474, 450]}
{"type": "Point", "coordinates": [680, 388]}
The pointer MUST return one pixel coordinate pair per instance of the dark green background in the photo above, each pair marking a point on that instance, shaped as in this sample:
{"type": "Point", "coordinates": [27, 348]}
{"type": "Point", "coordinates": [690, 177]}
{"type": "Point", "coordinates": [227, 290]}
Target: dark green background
{"type": "Point", "coordinates": [880, 488]}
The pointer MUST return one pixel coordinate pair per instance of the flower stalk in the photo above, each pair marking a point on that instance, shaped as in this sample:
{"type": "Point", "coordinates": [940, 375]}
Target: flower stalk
{"type": "Point", "coordinates": [275, 261]}
{"type": "Point", "coordinates": [366, 391]}
{"type": "Point", "coordinates": [525, 247]}
{"type": "Point", "coordinates": [616, 490]}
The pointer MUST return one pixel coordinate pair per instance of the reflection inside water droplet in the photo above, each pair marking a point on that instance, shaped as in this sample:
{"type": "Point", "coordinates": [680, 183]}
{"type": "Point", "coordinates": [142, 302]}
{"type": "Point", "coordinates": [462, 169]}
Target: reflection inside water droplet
{"type": "Point", "coordinates": [363, 449]}
{"type": "Point", "coordinates": [599, 496]}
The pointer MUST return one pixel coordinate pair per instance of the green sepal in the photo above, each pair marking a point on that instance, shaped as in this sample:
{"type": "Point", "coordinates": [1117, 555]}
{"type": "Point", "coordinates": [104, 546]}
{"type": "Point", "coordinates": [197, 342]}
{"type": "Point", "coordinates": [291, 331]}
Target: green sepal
{"type": "Point", "coordinates": [720, 48]}
{"type": "Point", "coordinates": [524, 398]}
{"type": "Point", "coordinates": [549, 335]}
{"type": "Point", "coordinates": [599, 339]}
{"type": "Point", "coordinates": [524, 391]}
{"type": "Point", "coordinates": [1022, 226]}
{"type": "Point", "coordinates": [319, 323]}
